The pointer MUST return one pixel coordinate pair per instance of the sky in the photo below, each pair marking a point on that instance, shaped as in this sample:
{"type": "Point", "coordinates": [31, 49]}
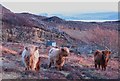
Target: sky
{"type": "Point", "coordinates": [61, 7]}
{"type": "Point", "coordinates": [68, 10]}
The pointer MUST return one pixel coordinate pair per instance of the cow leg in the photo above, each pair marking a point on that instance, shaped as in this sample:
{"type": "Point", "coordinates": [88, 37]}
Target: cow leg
{"type": "Point", "coordinates": [57, 67]}
{"type": "Point", "coordinates": [27, 68]}
{"type": "Point", "coordinates": [49, 65]}
{"type": "Point", "coordinates": [37, 68]}
{"type": "Point", "coordinates": [60, 68]}
{"type": "Point", "coordinates": [98, 66]}
{"type": "Point", "coordinates": [49, 62]}
{"type": "Point", "coordinates": [26, 62]}
{"type": "Point", "coordinates": [62, 64]}
{"type": "Point", "coordinates": [95, 66]}
{"type": "Point", "coordinates": [36, 64]}
{"type": "Point", "coordinates": [104, 68]}
{"type": "Point", "coordinates": [95, 62]}
{"type": "Point", "coordinates": [55, 64]}
{"type": "Point", "coordinates": [31, 62]}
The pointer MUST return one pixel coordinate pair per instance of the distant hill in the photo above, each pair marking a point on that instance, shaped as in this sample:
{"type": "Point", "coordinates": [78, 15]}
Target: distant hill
{"type": "Point", "coordinates": [54, 19]}
{"type": "Point", "coordinates": [87, 16]}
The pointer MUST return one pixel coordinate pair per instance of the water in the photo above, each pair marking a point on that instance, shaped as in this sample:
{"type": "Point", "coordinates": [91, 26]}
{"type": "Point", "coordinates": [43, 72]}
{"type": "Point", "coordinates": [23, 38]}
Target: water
{"type": "Point", "coordinates": [94, 20]}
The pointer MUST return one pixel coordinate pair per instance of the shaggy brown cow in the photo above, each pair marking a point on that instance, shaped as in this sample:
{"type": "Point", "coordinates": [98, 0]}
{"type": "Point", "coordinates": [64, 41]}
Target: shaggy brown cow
{"type": "Point", "coordinates": [57, 57]}
{"type": "Point", "coordinates": [101, 58]}
{"type": "Point", "coordinates": [35, 60]}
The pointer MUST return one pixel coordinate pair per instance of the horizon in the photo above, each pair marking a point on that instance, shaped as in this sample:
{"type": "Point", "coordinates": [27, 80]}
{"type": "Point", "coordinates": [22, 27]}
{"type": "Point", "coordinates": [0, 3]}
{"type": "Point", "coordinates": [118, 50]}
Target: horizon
{"type": "Point", "coordinates": [98, 16]}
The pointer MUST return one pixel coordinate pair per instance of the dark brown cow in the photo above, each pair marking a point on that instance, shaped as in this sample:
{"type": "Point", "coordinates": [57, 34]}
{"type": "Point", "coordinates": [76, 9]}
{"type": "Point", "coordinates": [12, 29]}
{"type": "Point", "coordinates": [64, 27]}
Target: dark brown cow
{"type": "Point", "coordinates": [101, 58]}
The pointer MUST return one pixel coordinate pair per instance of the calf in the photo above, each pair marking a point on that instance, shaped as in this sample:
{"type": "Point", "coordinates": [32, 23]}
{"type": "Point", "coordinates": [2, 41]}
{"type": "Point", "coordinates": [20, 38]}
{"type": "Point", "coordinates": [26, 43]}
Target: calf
{"type": "Point", "coordinates": [57, 57]}
{"type": "Point", "coordinates": [101, 58]}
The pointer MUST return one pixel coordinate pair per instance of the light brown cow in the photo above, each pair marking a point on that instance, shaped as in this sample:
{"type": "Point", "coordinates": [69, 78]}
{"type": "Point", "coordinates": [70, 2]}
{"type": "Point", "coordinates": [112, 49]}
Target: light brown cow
{"type": "Point", "coordinates": [57, 57]}
{"type": "Point", "coordinates": [101, 58]}
{"type": "Point", "coordinates": [35, 60]}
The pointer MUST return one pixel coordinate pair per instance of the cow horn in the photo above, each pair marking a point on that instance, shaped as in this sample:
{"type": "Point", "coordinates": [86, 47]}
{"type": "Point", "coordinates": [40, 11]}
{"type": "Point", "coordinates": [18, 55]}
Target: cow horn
{"type": "Point", "coordinates": [106, 48]}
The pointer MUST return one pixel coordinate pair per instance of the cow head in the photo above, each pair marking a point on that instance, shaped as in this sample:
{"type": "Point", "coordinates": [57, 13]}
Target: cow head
{"type": "Point", "coordinates": [26, 48]}
{"type": "Point", "coordinates": [106, 55]}
{"type": "Point", "coordinates": [65, 51]}
{"type": "Point", "coordinates": [36, 48]}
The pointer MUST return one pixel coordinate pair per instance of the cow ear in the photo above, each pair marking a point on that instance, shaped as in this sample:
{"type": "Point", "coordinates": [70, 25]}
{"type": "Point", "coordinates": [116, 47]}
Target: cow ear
{"type": "Point", "coordinates": [103, 52]}
{"type": "Point", "coordinates": [96, 52]}
{"type": "Point", "coordinates": [109, 52]}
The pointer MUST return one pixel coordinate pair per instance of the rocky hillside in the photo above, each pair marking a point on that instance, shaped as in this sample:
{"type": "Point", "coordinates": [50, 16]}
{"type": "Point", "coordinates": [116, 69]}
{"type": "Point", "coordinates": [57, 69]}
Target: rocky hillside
{"type": "Point", "coordinates": [24, 27]}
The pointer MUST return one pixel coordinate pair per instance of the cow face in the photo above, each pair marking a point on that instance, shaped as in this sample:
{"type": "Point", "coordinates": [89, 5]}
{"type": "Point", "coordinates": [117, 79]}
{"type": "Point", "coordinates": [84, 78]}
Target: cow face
{"type": "Point", "coordinates": [106, 54]}
{"type": "Point", "coordinates": [65, 51]}
{"type": "Point", "coordinates": [36, 48]}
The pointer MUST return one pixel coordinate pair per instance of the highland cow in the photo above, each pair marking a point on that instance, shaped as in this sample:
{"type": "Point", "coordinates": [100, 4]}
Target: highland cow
{"type": "Point", "coordinates": [35, 60]}
{"type": "Point", "coordinates": [101, 59]}
{"type": "Point", "coordinates": [57, 57]}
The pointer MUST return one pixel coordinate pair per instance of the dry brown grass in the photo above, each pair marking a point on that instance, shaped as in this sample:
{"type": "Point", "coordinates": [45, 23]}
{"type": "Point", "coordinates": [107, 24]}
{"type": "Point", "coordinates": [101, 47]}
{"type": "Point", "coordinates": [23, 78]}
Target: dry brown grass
{"type": "Point", "coordinates": [7, 50]}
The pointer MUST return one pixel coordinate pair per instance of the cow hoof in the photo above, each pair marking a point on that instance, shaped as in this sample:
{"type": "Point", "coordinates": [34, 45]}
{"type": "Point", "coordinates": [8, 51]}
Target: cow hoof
{"type": "Point", "coordinates": [25, 69]}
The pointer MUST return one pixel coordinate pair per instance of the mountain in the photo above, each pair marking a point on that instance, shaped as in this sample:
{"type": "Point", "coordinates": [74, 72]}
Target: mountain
{"type": "Point", "coordinates": [54, 19]}
{"type": "Point", "coordinates": [87, 16]}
